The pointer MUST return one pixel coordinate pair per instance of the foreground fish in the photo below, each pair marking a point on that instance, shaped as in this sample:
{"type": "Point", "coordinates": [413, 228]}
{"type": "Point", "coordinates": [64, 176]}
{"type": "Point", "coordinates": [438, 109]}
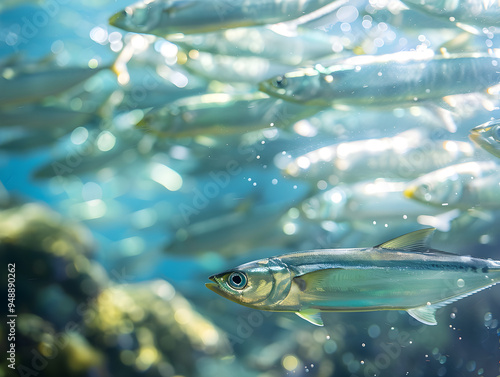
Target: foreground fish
{"type": "Point", "coordinates": [487, 136]}
{"type": "Point", "coordinates": [392, 79]}
{"type": "Point", "coordinates": [163, 17]}
{"type": "Point", "coordinates": [400, 274]}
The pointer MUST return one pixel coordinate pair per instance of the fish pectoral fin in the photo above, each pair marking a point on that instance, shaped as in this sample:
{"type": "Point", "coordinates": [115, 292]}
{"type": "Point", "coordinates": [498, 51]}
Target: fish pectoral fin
{"type": "Point", "coordinates": [415, 241]}
{"type": "Point", "coordinates": [311, 315]}
{"type": "Point", "coordinates": [425, 314]}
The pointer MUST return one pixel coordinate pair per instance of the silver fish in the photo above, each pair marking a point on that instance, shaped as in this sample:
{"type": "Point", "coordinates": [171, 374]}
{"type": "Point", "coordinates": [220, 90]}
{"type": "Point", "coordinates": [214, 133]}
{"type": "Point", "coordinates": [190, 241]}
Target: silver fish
{"type": "Point", "coordinates": [473, 12]}
{"type": "Point", "coordinates": [40, 117]}
{"type": "Point", "coordinates": [17, 87]}
{"type": "Point", "coordinates": [380, 201]}
{"type": "Point", "coordinates": [392, 79]}
{"type": "Point", "coordinates": [400, 274]}
{"type": "Point", "coordinates": [487, 136]}
{"type": "Point", "coordinates": [461, 186]}
{"type": "Point", "coordinates": [223, 68]}
{"type": "Point", "coordinates": [222, 114]}
{"type": "Point", "coordinates": [301, 47]}
{"type": "Point", "coordinates": [164, 17]}
{"type": "Point", "coordinates": [406, 155]}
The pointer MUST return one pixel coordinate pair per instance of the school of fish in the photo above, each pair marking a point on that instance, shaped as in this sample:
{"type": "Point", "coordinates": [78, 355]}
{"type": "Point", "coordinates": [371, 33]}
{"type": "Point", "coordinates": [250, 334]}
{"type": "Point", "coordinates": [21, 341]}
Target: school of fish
{"type": "Point", "coordinates": [284, 137]}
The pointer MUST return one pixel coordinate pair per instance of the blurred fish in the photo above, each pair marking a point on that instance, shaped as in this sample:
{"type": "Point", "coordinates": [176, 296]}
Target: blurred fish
{"type": "Point", "coordinates": [40, 117]}
{"type": "Point", "coordinates": [462, 186]}
{"type": "Point", "coordinates": [159, 96]}
{"type": "Point", "coordinates": [9, 4]}
{"type": "Point", "coordinates": [392, 79]}
{"type": "Point", "coordinates": [35, 139]}
{"type": "Point", "coordinates": [99, 149]}
{"type": "Point", "coordinates": [163, 17]}
{"type": "Point", "coordinates": [487, 136]}
{"type": "Point", "coordinates": [471, 12]}
{"type": "Point", "coordinates": [272, 43]}
{"type": "Point", "coordinates": [20, 87]}
{"type": "Point", "coordinates": [222, 114]}
{"type": "Point", "coordinates": [248, 69]}
{"type": "Point", "coordinates": [373, 201]}
{"type": "Point", "coordinates": [254, 224]}
{"type": "Point", "coordinates": [400, 274]}
{"type": "Point", "coordinates": [406, 155]}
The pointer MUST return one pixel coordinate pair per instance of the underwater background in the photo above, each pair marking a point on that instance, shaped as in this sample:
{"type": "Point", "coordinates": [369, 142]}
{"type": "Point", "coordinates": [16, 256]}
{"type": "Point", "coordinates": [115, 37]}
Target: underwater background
{"type": "Point", "coordinates": [134, 166]}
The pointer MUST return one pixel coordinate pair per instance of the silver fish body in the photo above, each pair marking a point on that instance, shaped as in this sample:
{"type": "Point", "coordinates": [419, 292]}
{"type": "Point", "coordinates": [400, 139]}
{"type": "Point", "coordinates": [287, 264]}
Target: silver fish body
{"type": "Point", "coordinates": [164, 17]}
{"type": "Point", "coordinates": [406, 155]}
{"type": "Point", "coordinates": [29, 87]}
{"type": "Point", "coordinates": [401, 274]}
{"type": "Point", "coordinates": [222, 114]}
{"type": "Point", "coordinates": [302, 47]}
{"type": "Point", "coordinates": [487, 136]}
{"type": "Point", "coordinates": [393, 79]}
{"type": "Point", "coordinates": [378, 200]}
{"type": "Point", "coordinates": [460, 186]}
{"type": "Point", "coordinates": [472, 12]}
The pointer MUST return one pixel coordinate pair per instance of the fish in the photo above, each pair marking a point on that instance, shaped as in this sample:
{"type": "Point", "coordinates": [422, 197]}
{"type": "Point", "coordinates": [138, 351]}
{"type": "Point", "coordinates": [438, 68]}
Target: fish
{"type": "Point", "coordinates": [469, 12]}
{"type": "Point", "coordinates": [406, 155]}
{"type": "Point", "coordinates": [40, 117]}
{"type": "Point", "coordinates": [239, 69]}
{"type": "Point", "coordinates": [462, 186]}
{"type": "Point", "coordinates": [401, 78]}
{"type": "Point", "coordinates": [302, 47]}
{"type": "Point", "coordinates": [222, 114]}
{"type": "Point", "coordinates": [165, 17]}
{"type": "Point", "coordinates": [22, 87]}
{"type": "Point", "coordinates": [487, 136]}
{"type": "Point", "coordinates": [377, 201]}
{"type": "Point", "coordinates": [404, 273]}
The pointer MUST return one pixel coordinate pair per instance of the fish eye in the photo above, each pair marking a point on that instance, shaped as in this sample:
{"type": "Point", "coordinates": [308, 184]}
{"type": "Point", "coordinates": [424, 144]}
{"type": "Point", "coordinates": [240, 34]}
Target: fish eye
{"type": "Point", "coordinates": [425, 188]}
{"type": "Point", "coordinates": [280, 82]}
{"type": "Point", "coordinates": [237, 280]}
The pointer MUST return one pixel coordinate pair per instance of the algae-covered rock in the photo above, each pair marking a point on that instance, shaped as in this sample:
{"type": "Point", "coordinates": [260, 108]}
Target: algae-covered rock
{"type": "Point", "coordinates": [149, 327]}
{"type": "Point", "coordinates": [73, 321]}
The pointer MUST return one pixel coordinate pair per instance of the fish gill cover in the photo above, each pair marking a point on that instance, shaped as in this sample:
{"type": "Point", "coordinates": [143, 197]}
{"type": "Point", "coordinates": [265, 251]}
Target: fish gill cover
{"type": "Point", "coordinates": [146, 146]}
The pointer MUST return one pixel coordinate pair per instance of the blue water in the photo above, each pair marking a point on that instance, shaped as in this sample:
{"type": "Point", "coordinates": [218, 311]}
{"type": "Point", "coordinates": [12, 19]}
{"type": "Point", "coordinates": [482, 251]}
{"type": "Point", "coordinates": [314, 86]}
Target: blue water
{"type": "Point", "coordinates": [180, 210]}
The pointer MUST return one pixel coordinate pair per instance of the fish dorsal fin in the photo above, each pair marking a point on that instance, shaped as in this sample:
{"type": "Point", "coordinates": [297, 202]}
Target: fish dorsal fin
{"type": "Point", "coordinates": [414, 241]}
{"type": "Point", "coordinates": [425, 314]}
{"type": "Point", "coordinates": [311, 315]}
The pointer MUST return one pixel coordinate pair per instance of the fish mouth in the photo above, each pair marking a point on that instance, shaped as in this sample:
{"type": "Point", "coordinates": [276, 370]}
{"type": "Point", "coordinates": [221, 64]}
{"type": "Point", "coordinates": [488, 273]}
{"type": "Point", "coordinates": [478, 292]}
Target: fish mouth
{"type": "Point", "coordinates": [475, 136]}
{"type": "Point", "coordinates": [409, 192]}
{"type": "Point", "coordinates": [117, 19]}
{"type": "Point", "coordinates": [268, 88]}
{"type": "Point", "coordinates": [214, 287]}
